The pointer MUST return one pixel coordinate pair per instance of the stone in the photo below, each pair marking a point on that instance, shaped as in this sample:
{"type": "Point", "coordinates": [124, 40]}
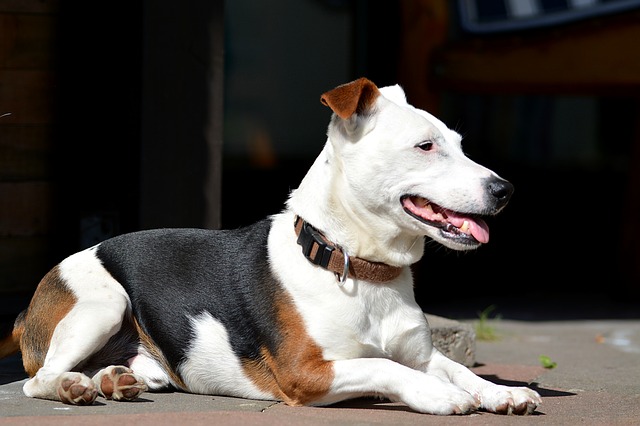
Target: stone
{"type": "Point", "coordinates": [454, 339]}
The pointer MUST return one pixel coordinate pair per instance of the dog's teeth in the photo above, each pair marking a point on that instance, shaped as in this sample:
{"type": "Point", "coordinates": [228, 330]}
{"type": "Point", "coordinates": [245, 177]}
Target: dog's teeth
{"type": "Point", "coordinates": [436, 217]}
{"type": "Point", "coordinates": [433, 215]}
{"type": "Point", "coordinates": [465, 227]}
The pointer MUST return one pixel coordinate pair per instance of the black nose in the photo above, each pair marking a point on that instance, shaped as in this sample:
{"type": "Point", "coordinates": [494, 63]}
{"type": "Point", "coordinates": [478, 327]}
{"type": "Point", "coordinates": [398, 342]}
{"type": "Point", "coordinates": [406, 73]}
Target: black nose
{"type": "Point", "coordinates": [500, 191]}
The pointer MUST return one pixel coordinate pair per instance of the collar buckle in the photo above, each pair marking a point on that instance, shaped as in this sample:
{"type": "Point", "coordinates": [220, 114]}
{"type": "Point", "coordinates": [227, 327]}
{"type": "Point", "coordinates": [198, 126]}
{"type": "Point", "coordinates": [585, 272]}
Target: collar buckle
{"type": "Point", "coordinates": [310, 237]}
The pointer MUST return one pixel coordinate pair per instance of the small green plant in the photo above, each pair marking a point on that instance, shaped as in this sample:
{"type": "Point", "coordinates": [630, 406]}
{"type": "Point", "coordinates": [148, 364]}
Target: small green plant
{"type": "Point", "coordinates": [484, 330]}
{"type": "Point", "coordinates": [547, 362]}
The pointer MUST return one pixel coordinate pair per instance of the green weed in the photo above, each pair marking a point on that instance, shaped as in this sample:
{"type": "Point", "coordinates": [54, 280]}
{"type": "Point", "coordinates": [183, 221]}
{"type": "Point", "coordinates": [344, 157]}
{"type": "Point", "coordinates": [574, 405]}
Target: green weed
{"type": "Point", "coordinates": [547, 362]}
{"type": "Point", "coordinates": [484, 330]}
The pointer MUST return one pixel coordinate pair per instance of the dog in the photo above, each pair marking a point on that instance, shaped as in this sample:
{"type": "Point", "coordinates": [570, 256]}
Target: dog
{"type": "Point", "coordinates": [310, 306]}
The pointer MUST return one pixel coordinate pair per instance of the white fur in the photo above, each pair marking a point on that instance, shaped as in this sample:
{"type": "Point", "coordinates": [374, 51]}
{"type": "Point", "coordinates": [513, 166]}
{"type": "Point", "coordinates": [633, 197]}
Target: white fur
{"type": "Point", "coordinates": [155, 376]}
{"type": "Point", "coordinates": [211, 366]}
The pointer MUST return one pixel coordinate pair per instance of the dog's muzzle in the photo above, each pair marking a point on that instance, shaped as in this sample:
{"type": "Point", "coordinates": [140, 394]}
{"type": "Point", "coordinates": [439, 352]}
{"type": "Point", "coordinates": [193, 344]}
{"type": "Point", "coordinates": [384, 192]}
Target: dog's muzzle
{"type": "Point", "coordinates": [461, 229]}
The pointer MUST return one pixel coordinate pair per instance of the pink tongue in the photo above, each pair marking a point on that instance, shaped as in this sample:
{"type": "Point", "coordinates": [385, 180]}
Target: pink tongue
{"type": "Point", "coordinates": [477, 227]}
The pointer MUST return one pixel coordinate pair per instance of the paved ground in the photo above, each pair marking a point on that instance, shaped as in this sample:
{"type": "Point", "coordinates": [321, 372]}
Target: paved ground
{"type": "Point", "coordinates": [596, 382]}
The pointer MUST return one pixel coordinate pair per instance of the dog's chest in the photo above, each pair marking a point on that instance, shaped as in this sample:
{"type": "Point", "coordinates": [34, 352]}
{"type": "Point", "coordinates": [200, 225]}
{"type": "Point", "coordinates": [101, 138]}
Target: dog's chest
{"type": "Point", "coordinates": [357, 319]}
{"type": "Point", "coordinates": [377, 322]}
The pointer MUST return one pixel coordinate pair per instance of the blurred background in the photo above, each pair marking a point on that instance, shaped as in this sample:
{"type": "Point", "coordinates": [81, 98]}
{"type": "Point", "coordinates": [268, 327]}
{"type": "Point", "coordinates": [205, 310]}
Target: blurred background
{"type": "Point", "coordinates": [126, 115]}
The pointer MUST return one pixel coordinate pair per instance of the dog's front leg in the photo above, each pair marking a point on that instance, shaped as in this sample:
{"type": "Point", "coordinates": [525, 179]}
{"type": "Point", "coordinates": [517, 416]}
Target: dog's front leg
{"type": "Point", "coordinates": [494, 398]}
{"type": "Point", "coordinates": [422, 392]}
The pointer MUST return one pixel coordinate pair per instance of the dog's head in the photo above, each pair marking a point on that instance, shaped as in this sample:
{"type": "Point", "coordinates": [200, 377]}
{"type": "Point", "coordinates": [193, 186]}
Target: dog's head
{"type": "Point", "coordinates": [402, 167]}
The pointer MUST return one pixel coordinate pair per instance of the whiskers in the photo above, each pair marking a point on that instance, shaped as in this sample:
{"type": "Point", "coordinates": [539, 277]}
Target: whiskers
{"type": "Point", "coordinates": [418, 238]}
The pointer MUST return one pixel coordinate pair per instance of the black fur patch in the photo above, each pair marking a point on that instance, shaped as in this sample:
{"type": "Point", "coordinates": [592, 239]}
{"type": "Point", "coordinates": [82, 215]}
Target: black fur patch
{"type": "Point", "coordinates": [174, 273]}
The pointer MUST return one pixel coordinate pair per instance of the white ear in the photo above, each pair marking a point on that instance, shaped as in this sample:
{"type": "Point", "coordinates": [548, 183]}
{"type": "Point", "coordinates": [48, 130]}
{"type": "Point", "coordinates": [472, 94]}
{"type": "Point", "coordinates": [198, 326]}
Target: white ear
{"type": "Point", "coordinates": [395, 94]}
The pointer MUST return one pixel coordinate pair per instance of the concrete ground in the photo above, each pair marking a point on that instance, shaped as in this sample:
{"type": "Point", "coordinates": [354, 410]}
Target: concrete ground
{"type": "Point", "coordinates": [596, 381]}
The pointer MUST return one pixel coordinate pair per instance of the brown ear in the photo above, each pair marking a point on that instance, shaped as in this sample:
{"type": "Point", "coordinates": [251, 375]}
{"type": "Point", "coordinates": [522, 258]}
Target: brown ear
{"type": "Point", "coordinates": [350, 98]}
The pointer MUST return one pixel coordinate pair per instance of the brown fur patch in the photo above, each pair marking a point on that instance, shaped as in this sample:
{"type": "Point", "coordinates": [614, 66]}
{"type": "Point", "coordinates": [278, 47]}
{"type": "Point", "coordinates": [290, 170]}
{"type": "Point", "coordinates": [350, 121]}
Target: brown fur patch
{"type": "Point", "coordinates": [357, 96]}
{"type": "Point", "coordinates": [297, 373]}
{"type": "Point", "coordinates": [51, 302]}
{"type": "Point", "coordinates": [10, 344]}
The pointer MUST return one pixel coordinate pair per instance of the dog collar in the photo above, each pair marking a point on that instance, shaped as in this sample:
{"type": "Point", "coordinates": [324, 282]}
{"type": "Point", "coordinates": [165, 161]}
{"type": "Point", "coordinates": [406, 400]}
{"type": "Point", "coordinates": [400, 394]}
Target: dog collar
{"type": "Point", "coordinates": [321, 252]}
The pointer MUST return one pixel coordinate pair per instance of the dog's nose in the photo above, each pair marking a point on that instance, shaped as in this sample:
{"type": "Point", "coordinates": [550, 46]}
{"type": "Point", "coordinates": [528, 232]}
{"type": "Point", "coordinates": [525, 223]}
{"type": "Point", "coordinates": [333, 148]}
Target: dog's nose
{"type": "Point", "coordinates": [501, 191]}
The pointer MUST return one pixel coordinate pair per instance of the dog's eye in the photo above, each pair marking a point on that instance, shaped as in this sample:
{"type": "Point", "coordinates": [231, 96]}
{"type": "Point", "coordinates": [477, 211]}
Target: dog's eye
{"type": "Point", "coordinates": [425, 145]}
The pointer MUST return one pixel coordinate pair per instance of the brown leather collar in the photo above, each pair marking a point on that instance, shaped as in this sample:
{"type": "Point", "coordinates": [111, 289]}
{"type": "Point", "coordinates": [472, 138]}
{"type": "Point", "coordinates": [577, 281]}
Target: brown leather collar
{"type": "Point", "coordinates": [321, 252]}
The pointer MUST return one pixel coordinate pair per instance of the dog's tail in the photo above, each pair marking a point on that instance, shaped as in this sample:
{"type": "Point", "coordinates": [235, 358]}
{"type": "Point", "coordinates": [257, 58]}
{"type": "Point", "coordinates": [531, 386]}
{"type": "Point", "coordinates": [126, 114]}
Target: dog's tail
{"type": "Point", "coordinates": [10, 338]}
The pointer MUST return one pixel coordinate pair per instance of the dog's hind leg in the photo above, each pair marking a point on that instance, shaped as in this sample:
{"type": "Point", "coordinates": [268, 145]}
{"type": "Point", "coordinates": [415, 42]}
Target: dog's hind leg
{"type": "Point", "coordinates": [119, 383]}
{"type": "Point", "coordinates": [97, 307]}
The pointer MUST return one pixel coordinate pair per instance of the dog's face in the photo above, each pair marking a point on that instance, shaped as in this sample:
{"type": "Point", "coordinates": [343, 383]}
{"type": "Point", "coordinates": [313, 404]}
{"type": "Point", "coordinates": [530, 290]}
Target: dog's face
{"type": "Point", "coordinates": [405, 168]}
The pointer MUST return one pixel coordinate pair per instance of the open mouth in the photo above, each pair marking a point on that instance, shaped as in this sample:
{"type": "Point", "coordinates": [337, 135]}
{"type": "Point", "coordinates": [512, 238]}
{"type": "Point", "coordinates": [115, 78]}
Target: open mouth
{"type": "Point", "coordinates": [464, 228]}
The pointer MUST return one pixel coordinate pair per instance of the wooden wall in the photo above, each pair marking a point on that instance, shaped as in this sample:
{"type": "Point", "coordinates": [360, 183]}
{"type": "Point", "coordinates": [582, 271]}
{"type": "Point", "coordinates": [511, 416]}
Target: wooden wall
{"type": "Point", "coordinates": [26, 120]}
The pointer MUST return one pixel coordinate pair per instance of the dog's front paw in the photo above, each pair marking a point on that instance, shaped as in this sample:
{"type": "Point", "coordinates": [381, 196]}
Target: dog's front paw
{"type": "Point", "coordinates": [434, 396]}
{"type": "Point", "coordinates": [509, 400]}
{"type": "Point", "coordinates": [119, 383]}
{"type": "Point", "coordinates": [455, 401]}
{"type": "Point", "coordinates": [76, 389]}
